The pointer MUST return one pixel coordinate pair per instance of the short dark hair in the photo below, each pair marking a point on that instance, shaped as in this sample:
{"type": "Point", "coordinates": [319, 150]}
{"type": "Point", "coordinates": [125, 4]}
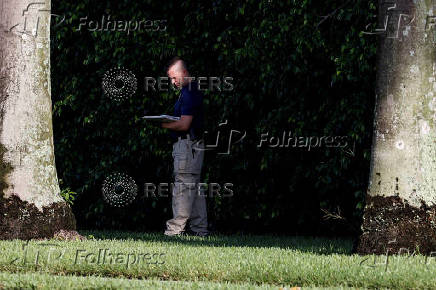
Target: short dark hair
{"type": "Point", "coordinates": [173, 62]}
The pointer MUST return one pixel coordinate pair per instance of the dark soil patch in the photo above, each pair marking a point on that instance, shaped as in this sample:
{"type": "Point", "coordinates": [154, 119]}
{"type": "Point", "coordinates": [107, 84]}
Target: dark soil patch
{"type": "Point", "coordinates": [391, 225]}
{"type": "Point", "coordinates": [22, 220]}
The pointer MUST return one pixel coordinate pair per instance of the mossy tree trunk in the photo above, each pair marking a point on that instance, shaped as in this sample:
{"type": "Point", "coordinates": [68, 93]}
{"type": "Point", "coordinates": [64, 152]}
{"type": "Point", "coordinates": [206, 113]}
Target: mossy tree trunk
{"type": "Point", "coordinates": [30, 201]}
{"type": "Point", "coordinates": [400, 207]}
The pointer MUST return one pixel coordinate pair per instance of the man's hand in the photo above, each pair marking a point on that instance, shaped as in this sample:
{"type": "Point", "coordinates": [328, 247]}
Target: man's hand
{"type": "Point", "coordinates": [181, 125]}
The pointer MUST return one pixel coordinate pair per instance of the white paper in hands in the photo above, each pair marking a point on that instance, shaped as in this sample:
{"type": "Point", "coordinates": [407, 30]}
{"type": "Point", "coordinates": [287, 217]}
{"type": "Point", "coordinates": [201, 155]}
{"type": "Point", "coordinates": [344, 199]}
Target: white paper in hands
{"type": "Point", "coordinates": [161, 118]}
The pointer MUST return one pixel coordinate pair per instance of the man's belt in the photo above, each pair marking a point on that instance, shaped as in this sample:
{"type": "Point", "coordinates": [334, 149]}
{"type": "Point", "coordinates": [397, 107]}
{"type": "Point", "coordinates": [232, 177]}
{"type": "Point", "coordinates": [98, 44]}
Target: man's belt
{"type": "Point", "coordinates": [186, 137]}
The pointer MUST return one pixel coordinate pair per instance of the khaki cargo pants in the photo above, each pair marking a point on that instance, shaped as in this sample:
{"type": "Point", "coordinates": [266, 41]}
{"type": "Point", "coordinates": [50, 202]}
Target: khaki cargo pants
{"type": "Point", "coordinates": [188, 202]}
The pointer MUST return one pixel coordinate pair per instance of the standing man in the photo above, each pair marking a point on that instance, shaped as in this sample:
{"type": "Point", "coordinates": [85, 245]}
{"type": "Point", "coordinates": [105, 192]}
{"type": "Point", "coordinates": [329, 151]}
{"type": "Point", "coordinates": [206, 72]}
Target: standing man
{"type": "Point", "coordinates": [188, 202]}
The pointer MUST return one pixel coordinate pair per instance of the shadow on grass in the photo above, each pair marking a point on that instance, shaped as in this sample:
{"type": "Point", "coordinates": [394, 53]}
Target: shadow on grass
{"type": "Point", "coordinates": [316, 245]}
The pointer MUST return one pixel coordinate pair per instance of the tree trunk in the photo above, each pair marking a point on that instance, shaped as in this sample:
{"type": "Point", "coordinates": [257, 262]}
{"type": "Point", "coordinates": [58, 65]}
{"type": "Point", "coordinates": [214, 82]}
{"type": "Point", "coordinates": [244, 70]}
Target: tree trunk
{"type": "Point", "coordinates": [30, 201]}
{"type": "Point", "coordinates": [400, 207]}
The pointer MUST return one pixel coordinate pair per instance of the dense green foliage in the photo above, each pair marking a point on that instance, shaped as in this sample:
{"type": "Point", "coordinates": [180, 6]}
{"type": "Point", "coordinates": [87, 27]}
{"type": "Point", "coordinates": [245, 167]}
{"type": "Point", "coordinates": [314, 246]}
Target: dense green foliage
{"type": "Point", "coordinates": [289, 74]}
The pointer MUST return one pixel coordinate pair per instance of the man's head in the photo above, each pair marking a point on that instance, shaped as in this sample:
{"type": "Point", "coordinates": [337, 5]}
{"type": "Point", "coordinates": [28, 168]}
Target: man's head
{"type": "Point", "coordinates": [177, 72]}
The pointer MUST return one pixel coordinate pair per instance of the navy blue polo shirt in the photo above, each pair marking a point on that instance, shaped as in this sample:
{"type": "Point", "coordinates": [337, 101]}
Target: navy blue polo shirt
{"type": "Point", "coordinates": [190, 102]}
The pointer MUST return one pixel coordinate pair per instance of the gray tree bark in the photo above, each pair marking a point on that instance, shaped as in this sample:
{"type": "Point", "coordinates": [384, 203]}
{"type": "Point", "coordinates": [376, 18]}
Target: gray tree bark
{"type": "Point", "coordinates": [400, 207]}
{"type": "Point", "coordinates": [30, 201]}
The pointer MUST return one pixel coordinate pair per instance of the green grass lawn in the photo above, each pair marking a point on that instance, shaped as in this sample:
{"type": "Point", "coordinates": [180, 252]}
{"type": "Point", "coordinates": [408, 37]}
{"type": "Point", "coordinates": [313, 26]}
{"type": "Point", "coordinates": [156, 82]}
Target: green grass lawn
{"type": "Point", "coordinates": [121, 260]}
{"type": "Point", "coordinates": [47, 281]}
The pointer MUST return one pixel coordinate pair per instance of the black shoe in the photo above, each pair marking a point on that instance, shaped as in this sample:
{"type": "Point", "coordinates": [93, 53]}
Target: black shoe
{"type": "Point", "coordinates": [189, 232]}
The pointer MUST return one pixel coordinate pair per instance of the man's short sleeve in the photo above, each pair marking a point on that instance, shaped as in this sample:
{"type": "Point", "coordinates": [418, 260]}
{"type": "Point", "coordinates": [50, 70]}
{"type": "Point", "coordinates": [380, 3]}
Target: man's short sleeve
{"type": "Point", "coordinates": [188, 104]}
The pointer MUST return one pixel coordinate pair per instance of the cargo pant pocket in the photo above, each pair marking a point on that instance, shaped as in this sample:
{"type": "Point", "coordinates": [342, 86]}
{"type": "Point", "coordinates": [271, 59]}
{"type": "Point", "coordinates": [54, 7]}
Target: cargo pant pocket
{"type": "Point", "coordinates": [181, 163]}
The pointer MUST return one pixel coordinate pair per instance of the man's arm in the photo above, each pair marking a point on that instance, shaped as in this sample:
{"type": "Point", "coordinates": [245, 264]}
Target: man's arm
{"type": "Point", "coordinates": [181, 125]}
